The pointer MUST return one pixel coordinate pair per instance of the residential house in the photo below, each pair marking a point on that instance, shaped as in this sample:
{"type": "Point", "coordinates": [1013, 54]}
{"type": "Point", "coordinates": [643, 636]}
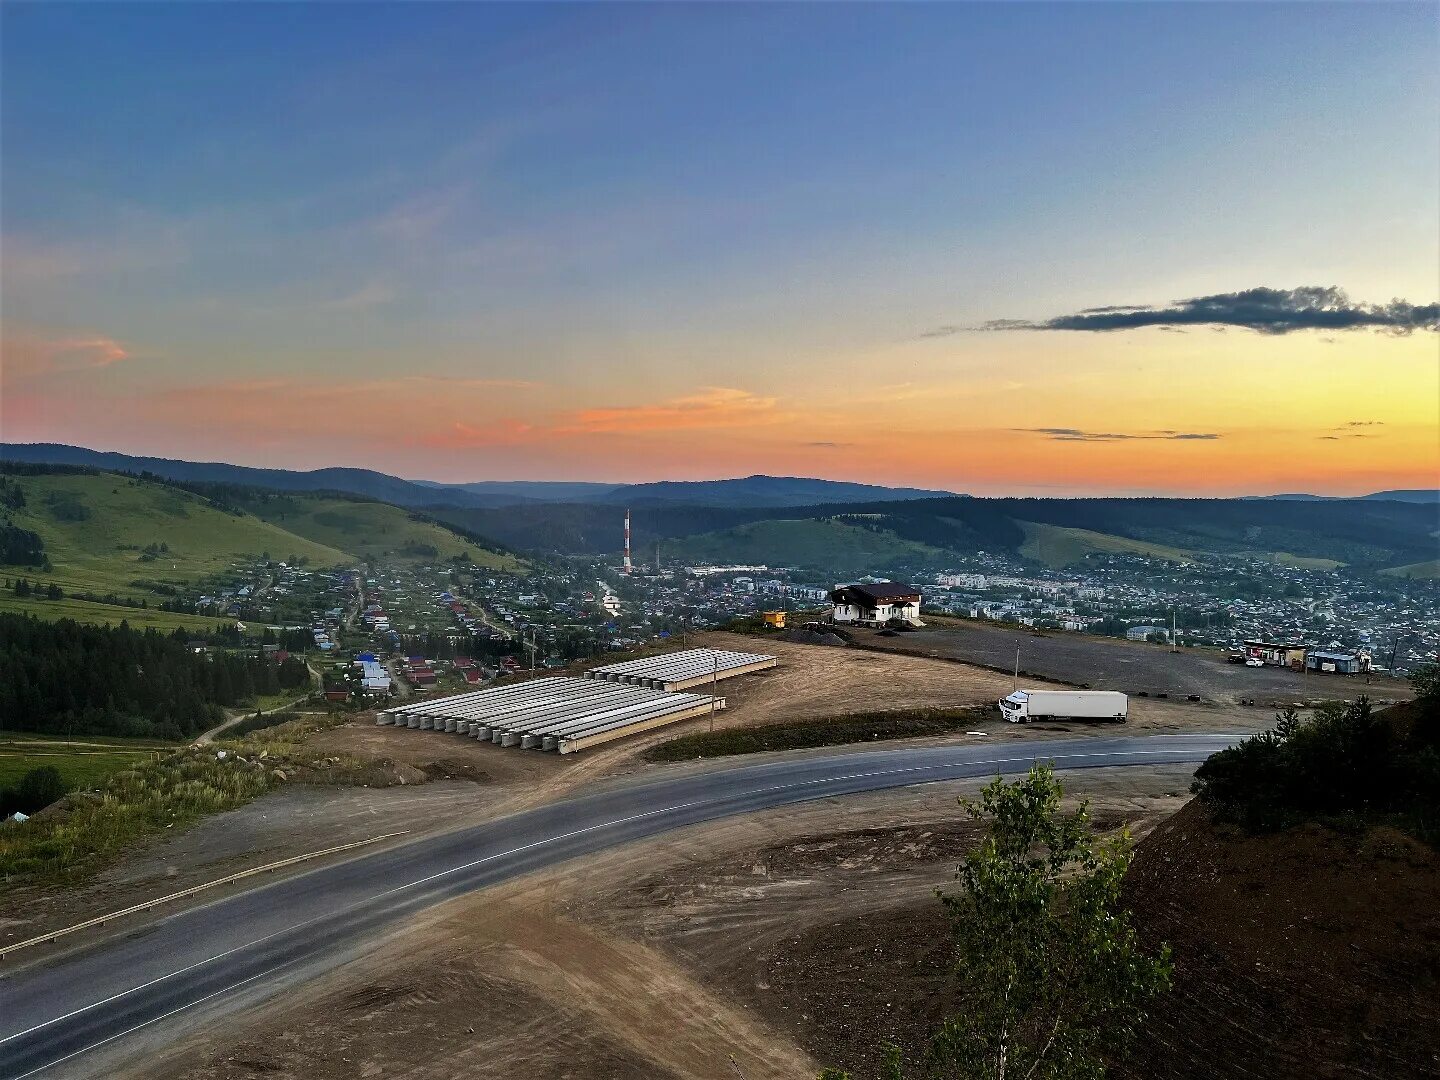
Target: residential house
{"type": "Point", "coordinates": [875, 604]}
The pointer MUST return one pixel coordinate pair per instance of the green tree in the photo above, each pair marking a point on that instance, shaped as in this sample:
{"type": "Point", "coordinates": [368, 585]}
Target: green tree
{"type": "Point", "coordinates": [35, 790]}
{"type": "Point", "coordinates": [1051, 977]}
{"type": "Point", "coordinates": [1425, 681]}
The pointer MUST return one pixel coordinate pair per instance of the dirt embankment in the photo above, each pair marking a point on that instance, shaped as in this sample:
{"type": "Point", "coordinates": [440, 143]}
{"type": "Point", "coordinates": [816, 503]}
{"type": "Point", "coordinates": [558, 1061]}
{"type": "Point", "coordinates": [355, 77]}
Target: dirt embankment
{"type": "Point", "coordinates": [761, 947]}
{"type": "Point", "coordinates": [1307, 953]}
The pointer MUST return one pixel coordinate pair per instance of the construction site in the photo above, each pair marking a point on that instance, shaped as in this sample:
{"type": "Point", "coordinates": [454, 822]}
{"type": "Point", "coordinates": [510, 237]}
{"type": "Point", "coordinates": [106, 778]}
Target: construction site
{"type": "Point", "coordinates": [665, 958]}
{"type": "Point", "coordinates": [568, 715]}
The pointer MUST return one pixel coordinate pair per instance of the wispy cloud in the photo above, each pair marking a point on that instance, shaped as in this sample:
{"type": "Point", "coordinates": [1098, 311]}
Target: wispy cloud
{"type": "Point", "coordinates": [418, 218]}
{"type": "Point", "coordinates": [137, 244]}
{"type": "Point", "coordinates": [826, 445]}
{"type": "Point", "coordinates": [367, 296]}
{"type": "Point", "coordinates": [1062, 434]}
{"type": "Point", "coordinates": [1348, 430]}
{"type": "Point", "coordinates": [1264, 310]}
{"type": "Point", "coordinates": [27, 355]}
{"type": "Point", "coordinates": [711, 407]}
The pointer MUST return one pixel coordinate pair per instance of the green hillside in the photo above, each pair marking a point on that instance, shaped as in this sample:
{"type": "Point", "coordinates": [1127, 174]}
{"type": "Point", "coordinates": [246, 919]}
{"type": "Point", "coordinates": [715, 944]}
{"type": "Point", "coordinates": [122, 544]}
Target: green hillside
{"type": "Point", "coordinates": [103, 533]}
{"type": "Point", "coordinates": [1429, 570]}
{"type": "Point", "coordinates": [1057, 546]}
{"type": "Point", "coordinates": [820, 543]}
{"type": "Point", "coordinates": [97, 614]}
{"type": "Point", "coordinates": [371, 529]}
{"type": "Point", "coordinates": [1284, 558]}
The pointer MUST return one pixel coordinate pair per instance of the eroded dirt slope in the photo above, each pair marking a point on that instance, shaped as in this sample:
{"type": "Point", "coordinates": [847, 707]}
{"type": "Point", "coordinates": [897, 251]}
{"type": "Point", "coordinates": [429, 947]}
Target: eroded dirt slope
{"type": "Point", "coordinates": [1307, 953]}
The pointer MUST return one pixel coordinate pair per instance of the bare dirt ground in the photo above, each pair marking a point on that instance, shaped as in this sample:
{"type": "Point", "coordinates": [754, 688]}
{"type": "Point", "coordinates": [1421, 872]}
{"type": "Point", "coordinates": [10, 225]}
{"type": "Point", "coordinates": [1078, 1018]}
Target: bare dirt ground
{"type": "Point", "coordinates": [454, 781]}
{"type": "Point", "coordinates": [1313, 952]}
{"type": "Point", "coordinates": [1132, 667]}
{"type": "Point", "coordinates": [739, 948]}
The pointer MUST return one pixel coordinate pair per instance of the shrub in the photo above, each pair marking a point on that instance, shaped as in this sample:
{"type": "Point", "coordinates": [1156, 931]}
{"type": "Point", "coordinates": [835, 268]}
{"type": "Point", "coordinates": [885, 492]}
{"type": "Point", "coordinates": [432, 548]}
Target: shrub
{"type": "Point", "coordinates": [36, 790]}
{"type": "Point", "coordinates": [1348, 764]}
{"type": "Point", "coordinates": [825, 731]}
{"type": "Point", "coordinates": [259, 722]}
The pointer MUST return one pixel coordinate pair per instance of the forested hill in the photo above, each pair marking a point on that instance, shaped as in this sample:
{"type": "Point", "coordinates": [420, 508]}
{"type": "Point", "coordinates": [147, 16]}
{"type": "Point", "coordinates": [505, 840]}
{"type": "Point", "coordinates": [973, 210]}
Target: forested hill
{"type": "Point", "coordinates": [62, 677]}
{"type": "Point", "coordinates": [1365, 533]}
{"type": "Point", "coordinates": [744, 491]}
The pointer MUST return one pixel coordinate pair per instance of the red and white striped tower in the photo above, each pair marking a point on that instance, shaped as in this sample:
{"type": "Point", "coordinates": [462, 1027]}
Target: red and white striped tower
{"type": "Point", "coordinates": [629, 568]}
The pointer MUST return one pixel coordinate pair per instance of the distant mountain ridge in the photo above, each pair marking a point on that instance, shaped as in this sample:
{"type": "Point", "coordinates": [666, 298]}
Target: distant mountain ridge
{"type": "Point", "coordinates": [767, 491]}
{"type": "Point", "coordinates": [811, 519]}
{"type": "Point", "coordinates": [529, 490]}
{"type": "Point", "coordinates": [1359, 532]}
{"type": "Point", "coordinates": [1407, 495]}
{"type": "Point", "coordinates": [761, 490]}
{"type": "Point", "coordinates": [375, 485]}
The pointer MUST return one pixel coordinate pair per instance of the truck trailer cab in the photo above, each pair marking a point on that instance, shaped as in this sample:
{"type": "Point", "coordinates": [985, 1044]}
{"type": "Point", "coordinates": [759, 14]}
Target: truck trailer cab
{"type": "Point", "coordinates": [1023, 706]}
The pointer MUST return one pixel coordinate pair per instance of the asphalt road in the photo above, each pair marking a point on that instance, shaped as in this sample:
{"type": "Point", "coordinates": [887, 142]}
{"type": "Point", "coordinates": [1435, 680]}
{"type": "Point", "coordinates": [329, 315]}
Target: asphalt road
{"type": "Point", "coordinates": [54, 1015]}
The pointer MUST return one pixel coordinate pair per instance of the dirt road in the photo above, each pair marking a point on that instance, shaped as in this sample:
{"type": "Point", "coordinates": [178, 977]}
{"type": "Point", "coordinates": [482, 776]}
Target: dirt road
{"type": "Point", "coordinates": [1131, 667]}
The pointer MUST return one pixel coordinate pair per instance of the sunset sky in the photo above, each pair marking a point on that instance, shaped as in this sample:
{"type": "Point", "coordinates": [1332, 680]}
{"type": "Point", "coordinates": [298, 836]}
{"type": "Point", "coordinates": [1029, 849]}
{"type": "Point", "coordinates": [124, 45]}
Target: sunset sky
{"type": "Point", "coordinates": [1008, 249]}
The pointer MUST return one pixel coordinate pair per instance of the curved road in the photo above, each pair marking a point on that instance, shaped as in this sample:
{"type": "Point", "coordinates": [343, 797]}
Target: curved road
{"type": "Point", "coordinates": [51, 1014]}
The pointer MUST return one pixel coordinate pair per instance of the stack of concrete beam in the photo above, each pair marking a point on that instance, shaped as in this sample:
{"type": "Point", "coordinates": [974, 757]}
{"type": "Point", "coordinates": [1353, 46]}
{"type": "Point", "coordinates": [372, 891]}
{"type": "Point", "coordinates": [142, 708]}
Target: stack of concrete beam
{"type": "Point", "coordinates": [683, 670]}
{"type": "Point", "coordinates": [552, 714]}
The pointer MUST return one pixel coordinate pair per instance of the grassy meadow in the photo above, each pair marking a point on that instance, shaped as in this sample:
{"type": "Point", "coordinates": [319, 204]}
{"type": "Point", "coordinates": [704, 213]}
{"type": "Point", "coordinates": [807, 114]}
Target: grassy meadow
{"type": "Point", "coordinates": [372, 530]}
{"type": "Point", "coordinates": [171, 789]}
{"type": "Point", "coordinates": [1429, 570]}
{"type": "Point", "coordinates": [97, 529]}
{"type": "Point", "coordinates": [96, 614]}
{"type": "Point", "coordinates": [1057, 545]}
{"type": "Point", "coordinates": [803, 542]}
{"type": "Point", "coordinates": [83, 763]}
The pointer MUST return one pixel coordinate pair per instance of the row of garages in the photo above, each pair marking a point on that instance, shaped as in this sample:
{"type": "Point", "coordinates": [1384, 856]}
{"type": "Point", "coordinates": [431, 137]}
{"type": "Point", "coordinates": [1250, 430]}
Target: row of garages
{"type": "Point", "coordinates": [571, 714]}
{"type": "Point", "coordinates": [683, 670]}
{"type": "Point", "coordinates": [561, 714]}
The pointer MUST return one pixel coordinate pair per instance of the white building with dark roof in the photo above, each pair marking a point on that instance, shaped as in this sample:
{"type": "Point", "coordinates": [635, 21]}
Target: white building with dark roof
{"type": "Point", "coordinates": [875, 605]}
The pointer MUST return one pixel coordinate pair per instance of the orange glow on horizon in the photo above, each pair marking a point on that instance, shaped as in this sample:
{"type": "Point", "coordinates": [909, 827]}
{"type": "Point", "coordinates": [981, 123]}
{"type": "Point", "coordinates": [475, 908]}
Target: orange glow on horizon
{"type": "Point", "coordinates": [1246, 420]}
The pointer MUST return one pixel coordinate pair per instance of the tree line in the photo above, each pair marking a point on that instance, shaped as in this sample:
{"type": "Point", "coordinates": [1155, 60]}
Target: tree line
{"type": "Point", "coordinates": [21, 547]}
{"type": "Point", "coordinates": [65, 678]}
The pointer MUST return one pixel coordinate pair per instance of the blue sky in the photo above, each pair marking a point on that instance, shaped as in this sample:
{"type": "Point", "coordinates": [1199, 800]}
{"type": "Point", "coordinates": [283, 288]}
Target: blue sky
{"type": "Point", "coordinates": [631, 205]}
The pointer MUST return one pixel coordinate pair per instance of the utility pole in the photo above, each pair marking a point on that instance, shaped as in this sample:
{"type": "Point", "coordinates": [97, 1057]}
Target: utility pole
{"type": "Point", "coordinates": [1016, 685]}
{"type": "Point", "coordinates": [714, 679]}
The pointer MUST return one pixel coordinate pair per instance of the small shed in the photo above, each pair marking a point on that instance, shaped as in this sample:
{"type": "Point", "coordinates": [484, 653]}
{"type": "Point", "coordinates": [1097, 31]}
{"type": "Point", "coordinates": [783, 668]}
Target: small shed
{"type": "Point", "coordinates": [1333, 662]}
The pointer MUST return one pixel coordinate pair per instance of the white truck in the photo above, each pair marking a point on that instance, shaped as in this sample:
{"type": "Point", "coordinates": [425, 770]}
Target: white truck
{"type": "Point", "coordinates": [1025, 705]}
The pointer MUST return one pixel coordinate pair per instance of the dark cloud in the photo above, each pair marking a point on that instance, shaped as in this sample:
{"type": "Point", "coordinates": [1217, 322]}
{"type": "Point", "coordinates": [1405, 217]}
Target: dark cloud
{"type": "Point", "coordinates": [1063, 434]}
{"type": "Point", "coordinates": [1266, 311]}
{"type": "Point", "coordinates": [1365, 423]}
{"type": "Point", "coordinates": [1330, 438]}
{"type": "Point", "coordinates": [829, 445]}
